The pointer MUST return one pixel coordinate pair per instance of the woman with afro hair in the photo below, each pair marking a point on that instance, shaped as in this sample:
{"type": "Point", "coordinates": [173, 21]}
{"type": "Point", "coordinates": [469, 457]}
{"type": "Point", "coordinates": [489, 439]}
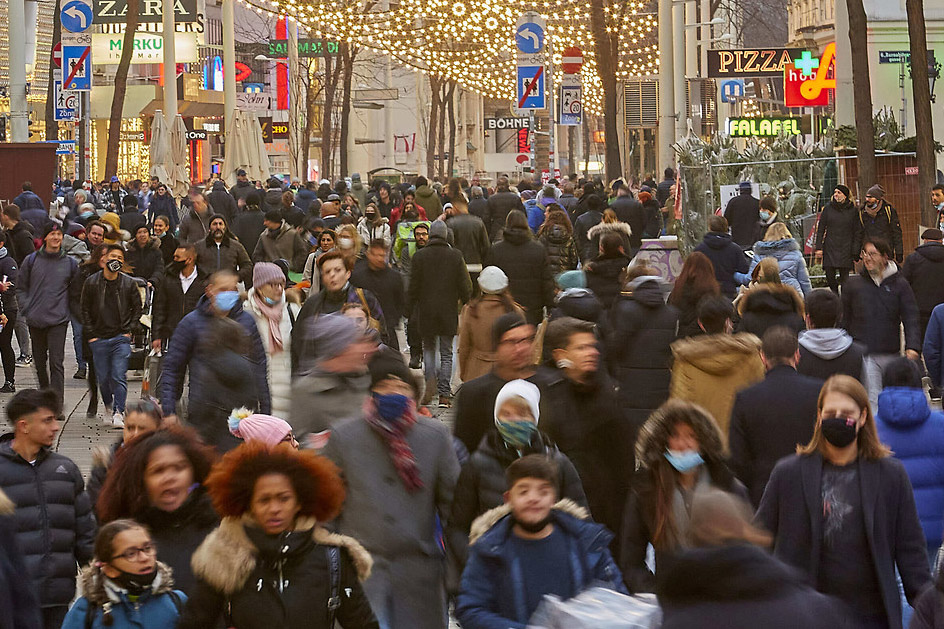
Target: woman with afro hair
{"type": "Point", "coordinates": [270, 563]}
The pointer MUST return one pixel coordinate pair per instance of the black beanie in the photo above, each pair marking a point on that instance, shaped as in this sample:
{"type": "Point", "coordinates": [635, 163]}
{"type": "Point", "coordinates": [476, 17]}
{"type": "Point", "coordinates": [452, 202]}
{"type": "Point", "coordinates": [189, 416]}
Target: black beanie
{"type": "Point", "coordinates": [843, 189]}
{"type": "Point", "coordinates": [504, 323]}
{"type": "Point", "coordinates": [385, 366]}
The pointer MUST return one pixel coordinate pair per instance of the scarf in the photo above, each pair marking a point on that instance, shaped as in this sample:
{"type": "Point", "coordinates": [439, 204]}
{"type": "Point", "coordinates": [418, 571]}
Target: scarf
{"type": "Point", "coordinates": [273, 315]}
{"type": "Point", "coordinates": [394, 435]}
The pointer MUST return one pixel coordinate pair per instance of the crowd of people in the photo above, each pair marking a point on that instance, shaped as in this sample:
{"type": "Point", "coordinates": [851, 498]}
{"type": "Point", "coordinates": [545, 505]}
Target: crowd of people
{"type": "Point", "coordinates": [752, 450]}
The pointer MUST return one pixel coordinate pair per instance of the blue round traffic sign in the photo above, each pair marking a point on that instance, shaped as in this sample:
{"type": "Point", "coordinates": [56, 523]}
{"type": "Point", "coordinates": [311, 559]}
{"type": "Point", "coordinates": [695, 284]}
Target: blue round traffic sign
{"type": "Point", "coordinates": [529, 38]}
{"type": "Point", "coordinates": [76, 16]}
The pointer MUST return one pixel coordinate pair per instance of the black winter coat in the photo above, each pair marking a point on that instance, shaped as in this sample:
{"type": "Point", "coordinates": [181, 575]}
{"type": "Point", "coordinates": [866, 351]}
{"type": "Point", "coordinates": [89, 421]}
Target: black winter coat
{"type": "Point", "coordinates": [499, 204]}
{"type": "Point", "coordinates": [439, 282]}
{"type": "Point", "coordinates": [742, 214]}
{"type": "Point", "coordinates": [8, 268]}
{"type": "Point", "coordinates": [687, 304]}
{"type": "Point", "coordinates": [561, 250]}
{"type": "Point", "coordinates": [740, 587]}
{"type": "Point", "coordinates": [792, 510]}
{"type": "Point", "coordinates": [835, 234]}
{"type": "Point", "coordinates": [163, 206]}
{"type": "Point", "coordinates": [582, 226]}
{"type": "Point", "coordinates": [884, 224]}
{"type": "Point", "coordinates": [924, 270]}
{"type": "Point", "coordinates": [482, 483]}
{"type": "Point", "coordinates": [257, 581]}
{"type": "Point", "coordinates": [626, 208]}
{"type": "Point", "coordinates": [19, 608]}
{"type": "Point", "coordinates": [589, 425]}
{"type": "Point", "coordinates": [20, 241]}
{"type": "Point", "coordinates": [642, 330]}
{"type": "Point", "coordinates": [168, 246]}
{"type": "Point", "coordinates": [479, 207]}
{"type": "Point", "coordinates": [222, 201]}
{"type": "Point", "coordinates": [768, 305]}
{"type": "Point", "coordinates": [247, 227]}
{"type": "Point", "coordinates": [873, 314]}
{"type": "Point", "coordinates": [603, 278]}
{"type": "Point", "coordinates": [727, 258]}
{"type": "Point", "coordinates": [146, 262]}
{"type": "Point", "coordinates": [768, 421]}
{"type": "Point", "coordinates": [929, 609]}
{"type": "Point", "coordinates": [131, 219]}
{"type": "Point", "coordinates": [55, 528]}
{"type": "Point", "coordinates": [386, 285]}
{"type": "Point", "coordinates": [178, 534]}
{"type": "Point", "coordinates": [469, 237]}
{"type": "Point", "coordinates": [524, 261]}
{"type": "Point", "coordinates": [171, 304]}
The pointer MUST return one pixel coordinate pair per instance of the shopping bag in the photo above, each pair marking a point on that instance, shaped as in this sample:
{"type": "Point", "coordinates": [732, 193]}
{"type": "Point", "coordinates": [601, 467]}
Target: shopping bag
{"type": "Point", "coordinates": [598, 608]}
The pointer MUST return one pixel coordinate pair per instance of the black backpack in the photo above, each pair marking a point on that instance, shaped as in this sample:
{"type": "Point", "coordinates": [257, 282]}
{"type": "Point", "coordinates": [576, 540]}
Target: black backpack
{"type": "Point", "coordinates": [92, 609]}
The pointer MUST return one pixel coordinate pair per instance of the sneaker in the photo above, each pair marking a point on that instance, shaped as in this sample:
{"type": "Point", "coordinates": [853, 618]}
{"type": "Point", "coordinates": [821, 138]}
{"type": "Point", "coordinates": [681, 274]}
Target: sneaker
{"type": "Point", "coordinates": [934, 393]}
{"type": "Point", "coordinates": [80, 373]}
{"type": "Point", "coordinates": [445, 401]}
{"type": "Point", "coordinates": [118, 419]}
{"type": "Point", "coordinates": [24, 361]}
{"type": "Point", "coordinates": [416, 363]}
{"type": "Point", "coordinates": [8, 387]}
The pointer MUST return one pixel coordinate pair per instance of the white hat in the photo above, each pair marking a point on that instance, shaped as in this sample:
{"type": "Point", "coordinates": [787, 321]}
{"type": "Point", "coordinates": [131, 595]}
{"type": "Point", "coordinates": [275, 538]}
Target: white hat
{"type": "Point", "coordinates": [492, 280]}
{"type": "Point", "coordinates": [523, 389]}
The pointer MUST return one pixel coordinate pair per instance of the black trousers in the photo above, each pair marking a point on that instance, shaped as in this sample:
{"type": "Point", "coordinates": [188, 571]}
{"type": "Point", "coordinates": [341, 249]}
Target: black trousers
{"type": "Point", "coordinates": [49, 349]}
{"type": "Point", "coordinates": [7, 355]}
{"type": "Point", "coordinates": [831, 279]}
{"type": "Point", "coordinates": [413, 338]}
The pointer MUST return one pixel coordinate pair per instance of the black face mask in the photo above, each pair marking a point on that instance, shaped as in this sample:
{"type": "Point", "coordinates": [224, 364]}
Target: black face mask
{"type": "Point", "coordinates": [535, 527]}
{"type": "Point", "coordinates": [176, 266]}
{"type": "Point", "coordinates": [839, 431]}
{"type": "Point", "coordinates": [136, 584]}
{"type": "Point", "coordinates": [274, 232]}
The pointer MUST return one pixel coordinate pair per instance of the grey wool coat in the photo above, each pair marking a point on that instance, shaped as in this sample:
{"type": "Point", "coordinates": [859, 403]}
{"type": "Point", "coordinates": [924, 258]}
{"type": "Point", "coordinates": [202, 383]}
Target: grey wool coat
{"type": "Point", "coordinates": [395, 525]}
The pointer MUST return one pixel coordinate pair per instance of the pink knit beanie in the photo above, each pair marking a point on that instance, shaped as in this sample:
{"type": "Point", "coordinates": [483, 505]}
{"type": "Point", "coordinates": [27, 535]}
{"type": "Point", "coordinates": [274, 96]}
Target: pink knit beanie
{"type": "Point", "coordinates": [257, 427]}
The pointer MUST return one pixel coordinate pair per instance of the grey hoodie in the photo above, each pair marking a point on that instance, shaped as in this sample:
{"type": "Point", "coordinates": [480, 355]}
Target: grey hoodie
{"type": "Point", "coordinates": [826, 343]}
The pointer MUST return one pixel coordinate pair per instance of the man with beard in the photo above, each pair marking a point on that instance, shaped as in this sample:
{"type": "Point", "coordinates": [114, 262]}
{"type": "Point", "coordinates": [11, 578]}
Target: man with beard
{"type": "Point", "coordinates": [221, 251]}
{"type": "Point", "coordinates": [878, 219]}
{"type": "Point", "coordinates": [196, 224]}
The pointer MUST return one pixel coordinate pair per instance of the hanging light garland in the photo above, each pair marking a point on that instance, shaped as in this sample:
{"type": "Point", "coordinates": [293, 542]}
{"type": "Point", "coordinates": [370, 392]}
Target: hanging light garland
{"type": "Point", "coordinates": [472, 41]}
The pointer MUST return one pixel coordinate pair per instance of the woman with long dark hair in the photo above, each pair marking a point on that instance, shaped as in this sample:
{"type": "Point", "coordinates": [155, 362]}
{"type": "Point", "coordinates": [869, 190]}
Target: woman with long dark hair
{"type": "Point", "coordinates": [476, 348]}
{"type": "Point", "coordinates": [557, 236]}
{"type": "Point", "coordinates": [680, 450]}
{"type": "Point", "coordinates": [271, 563]}
{"type": "Point", "coordinates": [696, 280]}
{"type": "Point", "coordinates": [842, 510]}
{"type": "Point", "coordinates": [157, 479]}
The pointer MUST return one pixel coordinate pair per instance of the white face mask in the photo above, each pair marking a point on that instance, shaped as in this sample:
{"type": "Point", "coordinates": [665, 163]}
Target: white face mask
{"type": "Point", "coordinates": [345, 243]}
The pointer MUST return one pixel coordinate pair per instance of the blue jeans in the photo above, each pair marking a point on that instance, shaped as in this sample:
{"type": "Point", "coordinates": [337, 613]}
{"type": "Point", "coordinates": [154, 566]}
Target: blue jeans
{"type": "Point", "coordinates": [77, 343]}
{"type": "Point", "coordinates": [111, 366]}
{"type": "Point", "coordinates": [443, 374]}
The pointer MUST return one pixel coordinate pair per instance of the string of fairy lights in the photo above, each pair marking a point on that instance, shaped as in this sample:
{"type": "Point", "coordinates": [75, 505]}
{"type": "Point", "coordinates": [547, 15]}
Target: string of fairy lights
{"type": "Point", "coordinates": [472, 41]}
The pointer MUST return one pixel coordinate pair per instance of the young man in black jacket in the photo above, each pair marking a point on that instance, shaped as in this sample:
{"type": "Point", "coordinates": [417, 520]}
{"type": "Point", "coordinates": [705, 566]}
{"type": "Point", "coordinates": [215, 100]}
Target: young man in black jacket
{"type": "Point", "coordinates": [54, 522]}
{"type": "Point", "coordinates": [111, 307]}
{"type": "Point", "coordinates": [177, 296]}
{"type": "Point", "coordinates": [827, 350]}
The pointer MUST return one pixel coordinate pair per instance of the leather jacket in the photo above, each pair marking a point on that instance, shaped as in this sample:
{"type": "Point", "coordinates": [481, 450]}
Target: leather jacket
{"type": "Point", "coordinates": [93, 301]}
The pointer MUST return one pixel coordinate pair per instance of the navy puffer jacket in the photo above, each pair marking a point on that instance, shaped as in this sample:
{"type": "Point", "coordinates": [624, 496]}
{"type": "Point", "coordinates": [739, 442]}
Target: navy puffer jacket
{"type": "Point", "coordinates": [55, 528]}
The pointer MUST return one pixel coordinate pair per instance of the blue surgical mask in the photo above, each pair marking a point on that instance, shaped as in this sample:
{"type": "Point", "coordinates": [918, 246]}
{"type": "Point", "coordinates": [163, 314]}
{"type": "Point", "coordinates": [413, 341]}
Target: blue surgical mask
{"type": "Point", "coordinates": [226, 300]}
{"type": "Point", "coordinates": [764, 216]}
{"type": "Point", "coordinates": [391, 406]}
{"type": "Point", "coordinates": [270, 302]}
{"type": "Point", "coordinates": [517, 434]}
{"type": "Point", "coordinates": [684, 460]}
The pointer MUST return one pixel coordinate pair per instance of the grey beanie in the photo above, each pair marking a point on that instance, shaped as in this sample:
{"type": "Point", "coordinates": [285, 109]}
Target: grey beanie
{"type": "Point", "coordinates": [438, 229]}
{"type": "Point", "coordinates": [329, 335]}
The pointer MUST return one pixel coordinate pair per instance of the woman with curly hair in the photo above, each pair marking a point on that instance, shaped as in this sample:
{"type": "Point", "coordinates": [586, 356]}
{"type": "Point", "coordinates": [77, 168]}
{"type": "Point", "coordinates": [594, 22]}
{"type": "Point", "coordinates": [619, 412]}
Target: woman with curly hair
{"type": "Point", "coordinates": [157, 479]}
{"type": "Point", "coordinates": [270, 563]}
{"type": "Point", "coordinates": [696, 280]}
{"type": "Point", "coordinates": [557, 236]}
{"type": "Point", "coordinates": [679, 451]}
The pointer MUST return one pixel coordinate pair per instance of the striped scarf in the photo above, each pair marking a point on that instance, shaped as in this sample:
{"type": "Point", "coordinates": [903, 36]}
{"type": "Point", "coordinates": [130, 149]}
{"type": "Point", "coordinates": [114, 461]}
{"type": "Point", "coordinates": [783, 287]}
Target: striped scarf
{"type": "Point", "coordinates": [394, 435]}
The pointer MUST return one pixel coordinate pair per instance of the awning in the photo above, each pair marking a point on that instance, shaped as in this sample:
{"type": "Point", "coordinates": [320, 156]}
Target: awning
{"type": "Point", "coordinates": [186, 108]}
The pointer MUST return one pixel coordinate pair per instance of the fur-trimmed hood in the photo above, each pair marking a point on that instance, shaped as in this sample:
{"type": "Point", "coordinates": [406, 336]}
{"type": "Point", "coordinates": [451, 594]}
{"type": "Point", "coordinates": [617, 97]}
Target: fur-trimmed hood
{"type": "Point", "coordinates": [98, 594]}
{"type": "Point", "coordinates": [653, 439]}
{"type": "Point", "coordinates": [490, 518]}
{"type": "Point", "coordinates": [605, 228]}
{"type": "Point", "coordinates": [6, 505]}
{"type": "Point", "coordinates": [227, 557]}
{"type": "Point", "coordinates": [775, 296]}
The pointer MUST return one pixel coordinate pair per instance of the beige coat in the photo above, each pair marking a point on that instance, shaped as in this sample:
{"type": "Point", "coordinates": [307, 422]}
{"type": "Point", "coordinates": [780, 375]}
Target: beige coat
{"type": "Point", "coordinates": [476, 354]}
{"type": "Point", "coordinates": [710, 370]}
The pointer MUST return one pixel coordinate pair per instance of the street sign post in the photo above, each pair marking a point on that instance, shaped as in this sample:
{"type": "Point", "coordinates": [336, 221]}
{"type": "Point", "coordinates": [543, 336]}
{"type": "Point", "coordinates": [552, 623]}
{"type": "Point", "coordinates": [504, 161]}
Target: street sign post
{"type": "Point", "coordinates": [65, 147]}
{"type": "Point", "coordinates": [57, 54]}
{"type": "Point", "coordinates": [531, 87]}
{"type": "Point", "coordinates": [67, 103]}
{"type": "Point", "coordinates": [571, 104]}
{"type": "Point", "coordinates": [529, 36]}
{"type": "Point", "coordinates": [77, 68]}
{"type": "Point", "coordinates": [571, 60]}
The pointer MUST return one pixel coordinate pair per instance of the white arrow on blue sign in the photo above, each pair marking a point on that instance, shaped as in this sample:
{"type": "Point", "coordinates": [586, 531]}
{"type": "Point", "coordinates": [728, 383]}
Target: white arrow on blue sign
{"type": "Point", "coordinates": [529, 38]}
{"type": "Point", "coordinates": [530, 83]}
{"type": "Point", "coordinates": [76, 16]}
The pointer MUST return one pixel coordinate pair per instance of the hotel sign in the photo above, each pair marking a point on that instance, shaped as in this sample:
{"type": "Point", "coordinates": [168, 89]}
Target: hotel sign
{"type": "Point", "coordinates": [743, 62]}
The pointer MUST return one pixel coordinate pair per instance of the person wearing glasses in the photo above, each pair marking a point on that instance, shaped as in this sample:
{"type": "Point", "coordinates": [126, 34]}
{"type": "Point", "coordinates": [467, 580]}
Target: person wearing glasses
{"type": "Point", "coordinates": [125, 585]}
{"type": "Point", "coordinates": [875, 304]}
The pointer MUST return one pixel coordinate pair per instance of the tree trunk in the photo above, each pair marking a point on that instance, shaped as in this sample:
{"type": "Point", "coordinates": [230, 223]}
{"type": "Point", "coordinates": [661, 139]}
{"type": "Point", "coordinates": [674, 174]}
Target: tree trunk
{"type": "Point", "coordinates": [606, 45]}
{"type": "Point", "coordinates": [121, 86]}
{"type": "Point", "coordinates": [431, 131]}
{"type": "Point", "coordinates": [441, 132]}
{"type": "Point", "coordinates": [921, 90]}
{"type": "Point", "coordinates": [865, 132]}
{"type": "Point", "coordinates": [310, 95]}
{"type": "Point", "coordinates": [52, 126]}
{"type": "Point", "coordinates": [348, 53]}
{"type": "Point", "coordinates": [571, 138]}
{"type": "Point", "coordinates": [451, 114]}
{"type": "Point", "coordinates": [586, 145]}
{"type": "Point", "coordinates": [327, 126]}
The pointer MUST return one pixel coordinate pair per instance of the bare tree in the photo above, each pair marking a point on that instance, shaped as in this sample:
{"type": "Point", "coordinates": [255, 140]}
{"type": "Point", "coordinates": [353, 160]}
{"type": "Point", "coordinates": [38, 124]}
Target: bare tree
{"type": "Point", "coordinates": [606, 53]}
{"type": "Point", "coordinates": [52, 125]}
{"type": "Point", "coordinates": [451, 116]}
{"type": "Point", "coordinates": [332, 74]}
{"type": "Point", "coordinates": [922, 104]}
{"type": "Point", "coordinates": [313, 90]}
{"type": "Point", "coordinates": [432, 132]}
{"type": "Point", "coordinates": [865, 133]}
{"type": "Point", "coordinates": [348, 55]}
{"type": "Point", "coordinates": [121, 86]}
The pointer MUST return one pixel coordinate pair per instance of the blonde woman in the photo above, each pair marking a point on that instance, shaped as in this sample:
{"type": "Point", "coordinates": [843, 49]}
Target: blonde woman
{"type": "Point", "coordinates": [779, 243]}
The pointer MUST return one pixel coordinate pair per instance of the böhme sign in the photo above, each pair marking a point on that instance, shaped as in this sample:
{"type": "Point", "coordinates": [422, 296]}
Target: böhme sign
{"type": "Point", "coordinates": [744, 62]}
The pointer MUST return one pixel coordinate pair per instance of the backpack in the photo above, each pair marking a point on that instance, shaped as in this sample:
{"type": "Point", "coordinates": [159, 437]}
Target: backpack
{"type": "Point", "coordinates": [92, 609]}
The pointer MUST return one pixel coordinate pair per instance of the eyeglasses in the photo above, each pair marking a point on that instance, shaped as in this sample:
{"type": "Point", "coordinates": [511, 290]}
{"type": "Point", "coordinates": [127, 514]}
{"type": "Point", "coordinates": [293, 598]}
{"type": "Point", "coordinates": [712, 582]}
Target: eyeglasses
{"type": "Point", "coordinates": [132, 554]}
{"type": "Point", "coordinates": [866, 254]}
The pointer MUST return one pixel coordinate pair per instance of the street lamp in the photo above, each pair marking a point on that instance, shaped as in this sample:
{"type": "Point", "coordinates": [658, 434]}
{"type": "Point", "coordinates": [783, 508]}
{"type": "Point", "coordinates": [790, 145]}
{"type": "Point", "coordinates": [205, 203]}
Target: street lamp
{"type": "Point", "coordinates": [934, 73]}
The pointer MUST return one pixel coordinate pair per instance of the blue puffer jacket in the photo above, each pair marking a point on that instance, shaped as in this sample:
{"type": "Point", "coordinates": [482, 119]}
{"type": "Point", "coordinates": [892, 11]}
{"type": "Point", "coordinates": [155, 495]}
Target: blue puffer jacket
{"type": "Point", "coordinates": [184, 352]}
{"type": "Point", "coordinates": [55, 527]}
{"type": "Point", "coordinates": [535, 214]}
{"type": "Point", "coordinates": [915, 433]}
{"type": "Point", "coordinates": [492, 594]}
{"type": "Point", "coordinates": [792, 265]}
{"type": "Point", "coordinates": [158, 609]}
